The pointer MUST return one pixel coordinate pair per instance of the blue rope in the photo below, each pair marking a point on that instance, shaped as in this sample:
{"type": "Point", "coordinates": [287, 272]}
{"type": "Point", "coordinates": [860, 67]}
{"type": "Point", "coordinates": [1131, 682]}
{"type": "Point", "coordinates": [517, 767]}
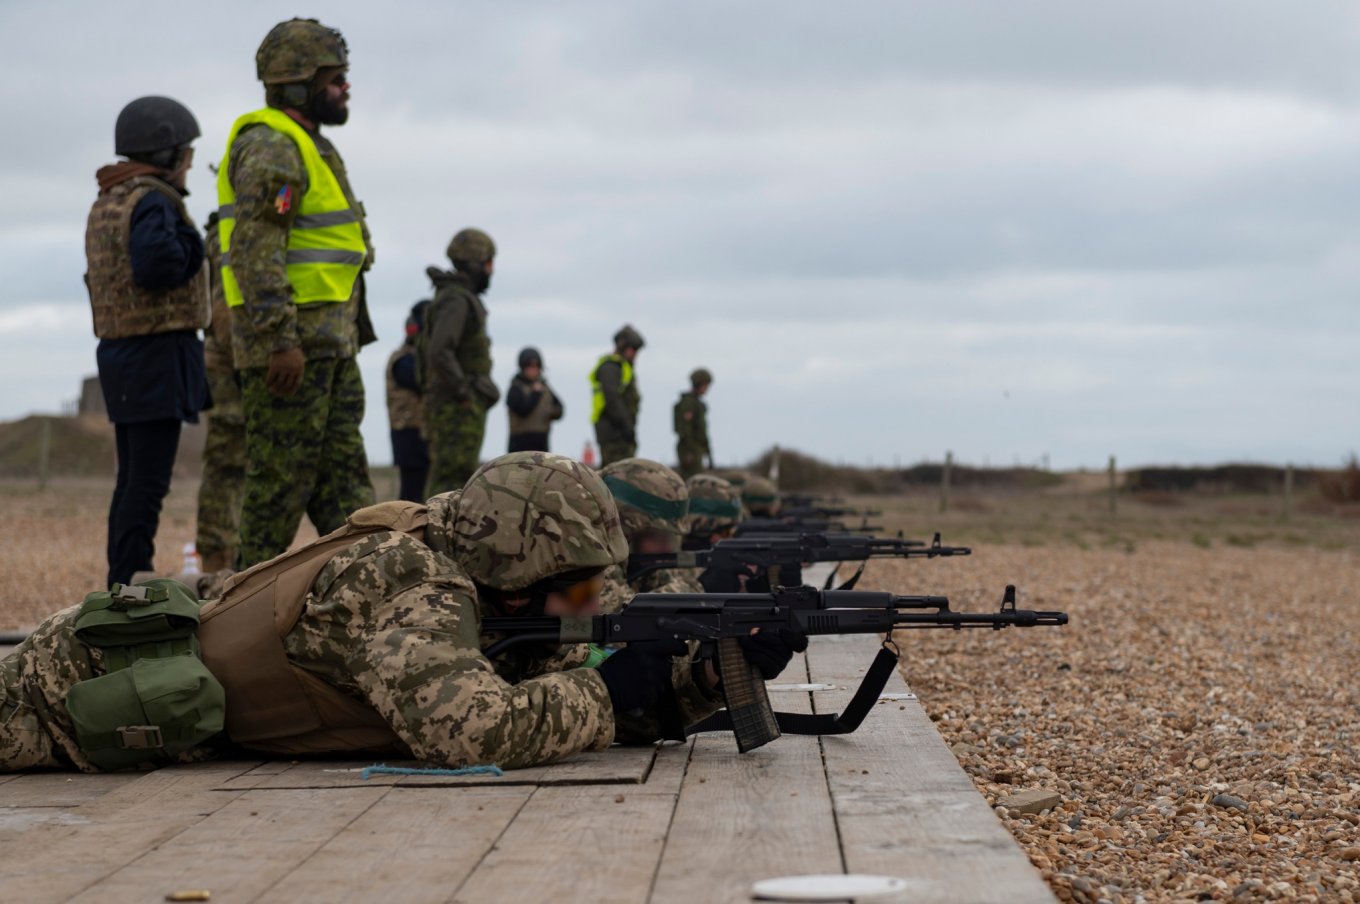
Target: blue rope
{"type": "Point", "coordinates": [384, 769]}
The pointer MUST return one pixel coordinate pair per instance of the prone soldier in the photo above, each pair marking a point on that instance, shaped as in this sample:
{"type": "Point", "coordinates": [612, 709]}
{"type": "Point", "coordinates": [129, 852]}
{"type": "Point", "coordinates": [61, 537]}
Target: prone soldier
{"type": "Point", "coordinates": [653, 505]}
{"type": "Point", "coordinates": [714, 510]}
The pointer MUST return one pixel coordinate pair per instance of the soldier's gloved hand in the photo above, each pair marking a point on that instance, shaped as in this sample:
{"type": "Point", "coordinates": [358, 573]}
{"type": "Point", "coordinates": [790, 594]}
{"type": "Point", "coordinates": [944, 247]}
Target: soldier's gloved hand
{"type": "Point", "coordinates": [769, 652]}
{"type": "Point", "coordinates": [285, 371]}
{"type": "Point", "coordinates": [640, 674]}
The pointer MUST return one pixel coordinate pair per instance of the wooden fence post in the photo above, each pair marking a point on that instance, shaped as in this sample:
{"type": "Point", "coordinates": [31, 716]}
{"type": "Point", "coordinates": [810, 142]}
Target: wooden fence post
{"type": "Point", "coordinates": [44, 453]}
{"type": "Point", "coordinates": [1288, 491]}
{"type": "Point", "coordinates": [944, 481]}
{"type": "Point", "coordinates": [1114, 488]}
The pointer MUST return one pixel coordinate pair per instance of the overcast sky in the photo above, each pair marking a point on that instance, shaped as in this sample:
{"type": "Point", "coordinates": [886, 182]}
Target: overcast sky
{"type": "Point", "coordinates": [890, 229]}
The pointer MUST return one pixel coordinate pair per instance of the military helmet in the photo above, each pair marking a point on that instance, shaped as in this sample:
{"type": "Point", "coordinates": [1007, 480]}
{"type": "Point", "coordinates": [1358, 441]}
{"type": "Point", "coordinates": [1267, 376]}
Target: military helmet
{"type": "Point", "coordinates": [471, 248]}
{"type": "Point", "coordinates": [627, 337]}
{"type": "Point", "coordinates": [527, 516]}
{"type": "Point", "coordinates": [151, 124]}
{"type": "Point", "coordinates": [415, 321]}
{"type": "Point", "coordinates": [701, 377]}
{"type": "Point", "coordinates": [760, 496]}
{"type": "Point", "coordinates": [529, 356]}
{"type": "Point", "coordinates": [441, 510]}
{"type": "Point", "coordinates": [650, 496]}
{"type": "Point", "coordinates": [714, 504]}
{"type": "Point", "coordinates": [293, 51]}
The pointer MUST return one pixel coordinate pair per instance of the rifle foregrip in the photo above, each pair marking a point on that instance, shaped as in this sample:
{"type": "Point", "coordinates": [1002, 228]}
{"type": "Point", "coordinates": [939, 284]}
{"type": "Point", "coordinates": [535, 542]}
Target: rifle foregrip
{"type": "Point", "coordinates": [748, 705]}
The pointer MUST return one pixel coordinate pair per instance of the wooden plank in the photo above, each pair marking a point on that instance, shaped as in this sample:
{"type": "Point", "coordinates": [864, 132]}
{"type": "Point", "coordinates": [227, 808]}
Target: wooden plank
{"type": "Point", "coordinates": [903, 804]}
{"type": "Point", "coordinates": [59, 859]}
{"type": "Point", "coordinates": [407, 847]}
{"type": "Point", "coordinates": [744, 817]}
{"type": "Point", "coordinates": [618, 765]}
{"type": "Point", "coordinates": [61, 789]}
{"type": "Point", "coordinates": [242, 849]}
{"type": "Point", "coordinates": [576, 843]}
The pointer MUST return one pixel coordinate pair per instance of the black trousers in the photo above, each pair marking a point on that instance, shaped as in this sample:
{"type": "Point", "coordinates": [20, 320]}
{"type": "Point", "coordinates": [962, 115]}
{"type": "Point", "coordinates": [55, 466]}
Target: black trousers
{"type": "Point", "coordinates": [411, 455]}
{"type": "Point", "coordinates": [529, 442]}
{"type": "Point", "coordinates": [146, 457]}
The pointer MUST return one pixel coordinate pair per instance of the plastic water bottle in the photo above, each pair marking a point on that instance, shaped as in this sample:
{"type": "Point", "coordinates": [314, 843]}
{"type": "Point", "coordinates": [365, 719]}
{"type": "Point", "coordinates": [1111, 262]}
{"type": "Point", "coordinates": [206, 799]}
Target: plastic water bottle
{"type": "Point", "coordinates": [190, 560]}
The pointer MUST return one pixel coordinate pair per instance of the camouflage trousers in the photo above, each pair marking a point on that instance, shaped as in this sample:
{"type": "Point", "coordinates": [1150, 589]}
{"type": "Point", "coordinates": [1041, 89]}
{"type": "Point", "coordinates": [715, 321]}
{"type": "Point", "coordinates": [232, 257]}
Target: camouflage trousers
{"type": "Point", "coordinates": [691, 462]}
{"type": "Point", "coordinates": [304, 454]}
{"type": "Point", "coordinates": [224, 471]}
{"type": "Point", "coordinates": [35, 728]}
{"type": "Point", "coordinates": [455, 431]}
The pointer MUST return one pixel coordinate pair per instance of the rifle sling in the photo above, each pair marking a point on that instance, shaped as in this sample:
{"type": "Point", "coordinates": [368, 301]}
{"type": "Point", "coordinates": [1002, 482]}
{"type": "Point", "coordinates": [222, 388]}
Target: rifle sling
{"type": "Point", "coordinates": [822, 724]}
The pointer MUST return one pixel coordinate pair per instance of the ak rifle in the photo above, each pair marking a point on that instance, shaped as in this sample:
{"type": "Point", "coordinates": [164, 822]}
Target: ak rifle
{"type": "Point", "coordinates": [718, 621]}
{"type": "Point", "coordinates": [778, 560]}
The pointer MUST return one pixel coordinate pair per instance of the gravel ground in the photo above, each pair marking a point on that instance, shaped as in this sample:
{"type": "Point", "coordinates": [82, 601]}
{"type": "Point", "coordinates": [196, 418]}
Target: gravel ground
{"type": "Point", "coordinates": [1195, 722]}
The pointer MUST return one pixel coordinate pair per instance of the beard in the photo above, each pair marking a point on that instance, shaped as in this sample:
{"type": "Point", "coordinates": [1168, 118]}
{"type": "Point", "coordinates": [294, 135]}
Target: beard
{"type": "Point", "coordinates": [328, 112]}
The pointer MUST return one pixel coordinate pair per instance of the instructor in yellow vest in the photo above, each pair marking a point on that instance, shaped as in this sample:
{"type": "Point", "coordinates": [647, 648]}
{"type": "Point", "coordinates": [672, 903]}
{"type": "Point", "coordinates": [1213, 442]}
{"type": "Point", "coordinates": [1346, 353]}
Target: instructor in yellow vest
{"type": "Point", "coordinates": [294, 249]}
{"type": "Point", "coordinates": [614, 409]}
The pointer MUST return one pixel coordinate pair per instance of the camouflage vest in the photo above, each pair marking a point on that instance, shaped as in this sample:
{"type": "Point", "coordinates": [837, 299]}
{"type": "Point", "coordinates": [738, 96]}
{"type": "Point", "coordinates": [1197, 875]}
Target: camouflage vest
{"type": "Point", "coordinates": [217, 350]}
{"type": "Point", "coordinates": [474, 347]}
{"type": "Point", "coordinates": [122, 308]}
{"type": "Point", "coordinates": [539, 420]}
{"type": "Point", "coordinates": [403, 405]}
{"type": "Point", "coordinates": [274, 705]}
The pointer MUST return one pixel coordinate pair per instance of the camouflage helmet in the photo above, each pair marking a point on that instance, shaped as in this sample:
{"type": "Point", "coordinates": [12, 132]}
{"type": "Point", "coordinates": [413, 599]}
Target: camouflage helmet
{"type": "Point", "coordinates": [627, 337]}
{"type": "Point", "coordinates": [650, 496]}
{"type": "Point", "coordinates": [441, 510]}
{"type": "Point", "coordinates": [471, 248]}
{"type": "Point", "coordinates": [760, 496]}
{"type": "Point", "coordinates": [527, 516]}
{"type": "Point", "coordinates": [714, 505]}
{"type": "Point", "coordinates": [701, 377]}
{"type": "Point", "coordinates": [293, 51]}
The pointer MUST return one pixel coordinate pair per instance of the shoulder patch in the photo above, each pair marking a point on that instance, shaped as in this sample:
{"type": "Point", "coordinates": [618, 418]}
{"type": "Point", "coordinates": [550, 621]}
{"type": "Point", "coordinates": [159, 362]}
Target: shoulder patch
{"type": "Point", "coordinates": [283, 201]}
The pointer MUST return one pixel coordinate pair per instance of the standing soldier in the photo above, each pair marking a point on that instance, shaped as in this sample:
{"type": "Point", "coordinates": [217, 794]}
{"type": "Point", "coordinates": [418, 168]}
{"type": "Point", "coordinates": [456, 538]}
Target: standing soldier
{"type": "Point", "coordinates": [294, 248]}
{"type": "Point", "coordinates": [224, 449]}
{"type": "Point", "coordinates": [532, 404]}
{"type": "Point", "coordinates": [616, 400]}
{"type": "Point", "coordinates": [149, 297]}
{"type": "Point", "coordinates": [409, 451]}
{"type": "Point", "coordinates": [454, 360]}
{"type": "Point", "coordinates": [691, 426]}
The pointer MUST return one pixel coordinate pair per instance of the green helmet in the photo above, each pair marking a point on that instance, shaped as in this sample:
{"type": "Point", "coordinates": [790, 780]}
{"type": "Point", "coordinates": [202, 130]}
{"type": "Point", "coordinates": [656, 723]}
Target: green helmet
{"type": "Point", "coordinates": [650, 496]}
{"type": "Point", "coordinates": [714, 505]}
{"type": "Point", "coordinates": [627, 337]}
{"type": "Point", "coordinates": [471, 248]}
{"type": "Point", "coordinates": [293, 51]}
{"type": "Point", "coordinates": [701, 377]}
{"type": "Point", "coordinates": [759, 495]}
{"type": "Point", "coordinates": [528, 516]}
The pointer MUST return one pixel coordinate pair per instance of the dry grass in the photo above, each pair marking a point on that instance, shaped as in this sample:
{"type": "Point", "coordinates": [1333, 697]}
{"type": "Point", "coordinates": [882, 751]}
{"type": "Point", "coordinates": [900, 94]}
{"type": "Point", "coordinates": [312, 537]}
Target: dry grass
{"type": "Point", "coordinates": [1185, 674]}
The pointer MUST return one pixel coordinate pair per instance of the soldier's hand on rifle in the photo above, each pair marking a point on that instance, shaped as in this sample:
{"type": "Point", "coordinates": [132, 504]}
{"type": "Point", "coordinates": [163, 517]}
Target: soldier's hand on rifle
{"type": "Point", "coordinates": [769, 652]}
{"type": "Point", "coordinates": [639, 675]}
{"type": "Point", "coordinates": [285, 371]}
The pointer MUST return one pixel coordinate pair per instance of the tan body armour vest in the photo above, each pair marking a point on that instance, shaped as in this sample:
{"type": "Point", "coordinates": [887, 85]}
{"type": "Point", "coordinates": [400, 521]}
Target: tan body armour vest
{"type": "Point", "coordinates": [121, 308]}
{"type": "Point", "coordinates": [403, 405]}
{"type": "Point", "coordinates": [538, 420]}
{"type": "Point", "coordinates": [273, 705]}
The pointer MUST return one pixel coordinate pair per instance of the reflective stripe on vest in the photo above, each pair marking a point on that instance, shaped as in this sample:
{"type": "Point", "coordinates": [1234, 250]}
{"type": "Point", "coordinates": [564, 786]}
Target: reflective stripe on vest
{"type": "Point", "coordinates": [326, 247]}
{"type": "Point", "coordinates": [597, 402]}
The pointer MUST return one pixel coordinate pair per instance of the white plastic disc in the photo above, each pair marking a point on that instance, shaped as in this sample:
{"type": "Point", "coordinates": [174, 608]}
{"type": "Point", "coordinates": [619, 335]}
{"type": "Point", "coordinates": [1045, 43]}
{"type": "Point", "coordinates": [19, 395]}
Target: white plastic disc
{"type": "Point", "coordinates": [897, 696]}
{"type": "Point", "coordinates": [800, 687]}
{"type": "Point", "coordinates": [828, 887]}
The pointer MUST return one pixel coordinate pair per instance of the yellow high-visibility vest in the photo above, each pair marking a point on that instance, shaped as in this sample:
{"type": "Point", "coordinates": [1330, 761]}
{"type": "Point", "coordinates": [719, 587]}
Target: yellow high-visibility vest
{"type": "Point", "coordinates": [326, 249]}
{"type": "Point", "coordinates": [597, 403]}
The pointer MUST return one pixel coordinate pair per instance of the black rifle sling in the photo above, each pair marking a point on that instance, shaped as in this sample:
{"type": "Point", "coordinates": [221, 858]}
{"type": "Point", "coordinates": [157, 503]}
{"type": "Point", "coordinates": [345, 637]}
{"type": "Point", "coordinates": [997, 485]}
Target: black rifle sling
{"type": "Point", "coordinates": [852, 581]}
{"type": "Point", "coordinates": [803, 724]}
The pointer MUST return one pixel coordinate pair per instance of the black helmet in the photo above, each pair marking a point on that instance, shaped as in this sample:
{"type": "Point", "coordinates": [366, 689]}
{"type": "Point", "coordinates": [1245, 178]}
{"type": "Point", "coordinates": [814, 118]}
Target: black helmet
{"type": "Point", "coordinates": [151, 124]}
{"type": "Point", "coordinates": [415, 321]}
{"type": "Point", "coordinates": [529, 355]}
{"type": "Point", "coordinates": [628, 337]}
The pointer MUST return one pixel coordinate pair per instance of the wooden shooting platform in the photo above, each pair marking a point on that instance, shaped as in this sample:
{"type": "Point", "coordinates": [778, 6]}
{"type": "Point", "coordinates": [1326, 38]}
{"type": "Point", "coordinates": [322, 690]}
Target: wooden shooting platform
{"type": "Point", "coordinates": [692, 822]}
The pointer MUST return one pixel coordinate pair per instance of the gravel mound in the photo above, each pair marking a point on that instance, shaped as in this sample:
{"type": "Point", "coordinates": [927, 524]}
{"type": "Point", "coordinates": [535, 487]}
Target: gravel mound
{"type": "Point", "coordinates": [1190, 735]}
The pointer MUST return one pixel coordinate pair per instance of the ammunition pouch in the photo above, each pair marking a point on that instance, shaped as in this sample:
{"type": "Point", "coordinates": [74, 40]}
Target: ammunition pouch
{"type": "Point", "coordinates": [156, 698]}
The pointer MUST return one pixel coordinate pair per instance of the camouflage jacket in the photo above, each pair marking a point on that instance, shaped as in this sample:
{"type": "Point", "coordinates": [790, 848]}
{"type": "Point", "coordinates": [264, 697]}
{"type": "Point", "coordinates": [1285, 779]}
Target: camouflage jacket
{"type": "Point", "coordinates": [263, 162]}
{"type": "Point", "coordinates": [691, 426]}
{"type": "Point", "coordinates": [453, 348]}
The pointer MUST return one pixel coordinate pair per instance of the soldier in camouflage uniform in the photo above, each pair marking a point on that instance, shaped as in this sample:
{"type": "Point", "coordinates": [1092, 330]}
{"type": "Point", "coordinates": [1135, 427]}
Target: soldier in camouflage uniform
{"type": "Point", "coordinates": [295, 245]}
{"type": "Point", "coordinates": [714, 510]}
{"type": "Point", "coordinates": [454, 360]}
{"type": "Point", "coordinates": [759, 495]}
{"type": "Point", "coordinates": [615, 398]}
{"type": "Point", "coordinates": [691, 426]}
{"type": "Point", "coordinates": [388, 637]}
{"type": "Point", "coordinates": [224, 449]}
{"type": "Point", "coordinates": [654, 509]}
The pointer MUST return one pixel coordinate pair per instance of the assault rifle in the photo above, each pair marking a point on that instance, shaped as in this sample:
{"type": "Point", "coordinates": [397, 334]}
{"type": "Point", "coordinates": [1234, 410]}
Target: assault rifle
{"type": "Point", "coordinates": [778, 560]}
{"type": "Point", "coordinates": [802, 512]}
{"type": "Point", "coordinates": [782, 525]}
{"type": "Point", "coordinates": [718, 621]}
